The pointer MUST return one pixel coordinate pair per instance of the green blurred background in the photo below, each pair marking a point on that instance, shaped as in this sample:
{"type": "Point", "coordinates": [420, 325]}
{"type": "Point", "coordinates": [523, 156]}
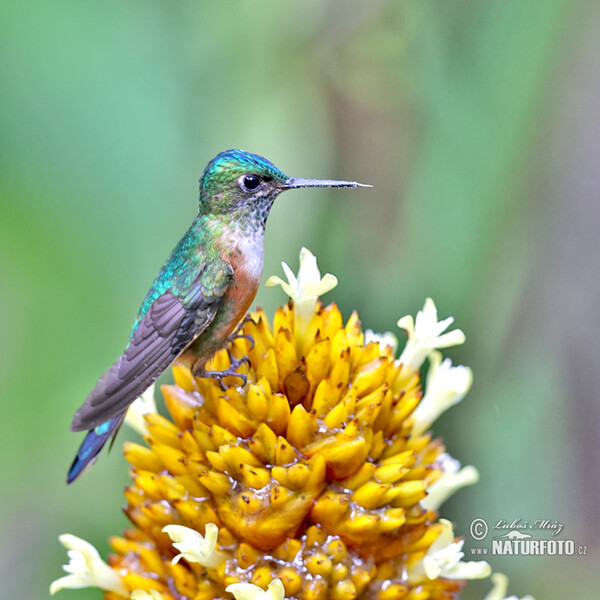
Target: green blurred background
{"type": "Point", "coordinates": [476, 122]}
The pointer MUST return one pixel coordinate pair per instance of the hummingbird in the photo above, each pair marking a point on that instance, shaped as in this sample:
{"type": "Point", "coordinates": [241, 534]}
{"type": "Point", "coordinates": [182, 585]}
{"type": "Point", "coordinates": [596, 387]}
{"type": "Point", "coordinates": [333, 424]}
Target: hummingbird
{"type": "Point", "coordinates": [198, 297]}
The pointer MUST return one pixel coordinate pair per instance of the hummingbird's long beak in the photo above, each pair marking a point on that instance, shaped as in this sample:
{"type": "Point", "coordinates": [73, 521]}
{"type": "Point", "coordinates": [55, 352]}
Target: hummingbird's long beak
{"type": "Point", "coordinates": [297, 182]}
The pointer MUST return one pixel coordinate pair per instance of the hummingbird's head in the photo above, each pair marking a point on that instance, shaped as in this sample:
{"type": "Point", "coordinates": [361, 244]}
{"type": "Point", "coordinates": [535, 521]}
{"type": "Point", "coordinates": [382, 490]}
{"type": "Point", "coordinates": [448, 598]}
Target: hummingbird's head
{"type": "Point", "coordinates": [238, 182]}
{"type": "Point", "coordinates": [245, 185]}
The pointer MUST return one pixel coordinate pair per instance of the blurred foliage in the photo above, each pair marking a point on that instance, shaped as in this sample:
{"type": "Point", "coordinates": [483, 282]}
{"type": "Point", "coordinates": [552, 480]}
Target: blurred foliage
{"type": "Point", "coordinates": [457, 112]}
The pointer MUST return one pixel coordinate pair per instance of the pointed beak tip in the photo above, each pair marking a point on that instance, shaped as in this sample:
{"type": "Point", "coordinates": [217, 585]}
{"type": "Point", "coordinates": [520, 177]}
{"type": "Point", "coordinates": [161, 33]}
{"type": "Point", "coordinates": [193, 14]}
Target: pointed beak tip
{"type": "Point", "coordinates": [353, 184]}
{"type": "Point", "coordinates": [304, 183]}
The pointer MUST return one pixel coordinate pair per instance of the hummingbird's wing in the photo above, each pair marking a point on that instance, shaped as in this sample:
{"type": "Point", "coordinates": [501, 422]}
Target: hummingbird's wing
{"type": "Point", "coordinates": [171, 323]}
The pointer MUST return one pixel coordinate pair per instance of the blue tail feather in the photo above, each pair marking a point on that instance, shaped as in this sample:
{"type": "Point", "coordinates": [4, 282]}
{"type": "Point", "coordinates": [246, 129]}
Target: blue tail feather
{"type": "Point", "coordinates": [92, 444]}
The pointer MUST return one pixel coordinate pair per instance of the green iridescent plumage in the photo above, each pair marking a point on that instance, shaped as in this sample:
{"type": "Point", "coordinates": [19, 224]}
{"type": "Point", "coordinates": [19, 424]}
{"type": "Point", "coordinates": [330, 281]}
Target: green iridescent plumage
{"type": "Point", "coordinates": [199, 295]}
{"type": "Point", "coordinates": [194, 261]}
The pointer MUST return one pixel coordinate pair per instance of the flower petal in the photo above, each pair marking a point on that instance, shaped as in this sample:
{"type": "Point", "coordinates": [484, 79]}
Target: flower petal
{"type": "Point", "coordinates": [474, 569]}
{"type": "Point", "coordinates": [86, 568]}
{"type": "Point", "coordinates": [140, 407]}
{"type": "Point", "coordinates": [444, 559]}
{"type": "Point", "coordinates": [498, 592]}
{"type": "Point", "coordinates": [290, 275]}
{"type": "Point", "coordinates": [143, 595]}
{"type": "Point", "coordinates": [326, 284]}
{"type": "Point", "coordinates": [305, 288]}
{"type": "Point", "coordinates": [193, 546]}
{"type": "Point", "coordinates": [249, 591]}
{"type": "Point", "coordinates": [446, 386]}
{"type": "Point", "coordinates": [408, 324]}
{"type": "Point", "coordinates": [452, 338]}
{"type": "Point", "coordinates": [274, 280]}
{"type": "Point", "coordinates": [425, 335]}
{"type": "Point", "coordinates": [383, 339]}
{"type": "Point", "coordinates": [452, 479]}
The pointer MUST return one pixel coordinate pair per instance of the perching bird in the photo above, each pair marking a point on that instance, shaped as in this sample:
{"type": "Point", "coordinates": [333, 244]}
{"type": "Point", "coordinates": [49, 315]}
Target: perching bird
{"type": "Point", "coordinates": [199, 296]}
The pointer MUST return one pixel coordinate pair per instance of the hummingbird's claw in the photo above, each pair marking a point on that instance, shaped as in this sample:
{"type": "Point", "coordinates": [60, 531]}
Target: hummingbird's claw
{"type": "Point", "coordinates": [219, 375]}
{"type": "Point", "coordinates": [236, 334]}
{"type": "Point", "coordinates": [231, 371]}
{"type": "Point", "coordinates": [237, 362]}
{"type": "Point", "coordinates": [245, 336]}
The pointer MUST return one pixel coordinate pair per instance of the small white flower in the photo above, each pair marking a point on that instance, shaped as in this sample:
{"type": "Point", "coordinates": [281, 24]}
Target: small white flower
{"type": "Point", "coordinates": [143, 595]}
{"type": "Point", "coordinates": [424, 335]}
{"type": "Point", "coordinates": [139, 407]}
{"type": "Point", "coordinates": [444, 559]}
{"type": "Point", "coordinates": [453, 478]}
{"type": "Point", "coordinates": [446, 386]}
{"type": "Point", "coordinates": [305, 289]}
{"type": "Point", "coordinates": [194, 547]}
{"type": "Point", "coordinates": [383, 339]}
{"type": "Point", "coordinates": [86, 568]}
{"type": "Point", "coordinates": [498, 592]}
{"type": "Point", "coordinates": [249, 591]}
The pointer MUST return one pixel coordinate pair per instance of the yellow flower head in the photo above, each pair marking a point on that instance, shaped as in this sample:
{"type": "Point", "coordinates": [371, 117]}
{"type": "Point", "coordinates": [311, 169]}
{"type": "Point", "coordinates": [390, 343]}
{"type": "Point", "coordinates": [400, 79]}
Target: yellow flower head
{"type": "Point", "coordinates": [309, 482]}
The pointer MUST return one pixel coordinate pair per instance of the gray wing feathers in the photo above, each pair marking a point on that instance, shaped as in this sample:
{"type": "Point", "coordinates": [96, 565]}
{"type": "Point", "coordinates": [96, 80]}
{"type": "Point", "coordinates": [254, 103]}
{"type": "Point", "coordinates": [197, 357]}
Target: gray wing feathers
{"type": "Point", "coordinates": [164, 332]}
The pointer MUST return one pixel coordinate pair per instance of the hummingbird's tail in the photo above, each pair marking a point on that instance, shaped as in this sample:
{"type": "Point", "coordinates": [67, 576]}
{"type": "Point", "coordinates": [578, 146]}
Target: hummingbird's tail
{"type": "Point", "coordinates": [92, 444]}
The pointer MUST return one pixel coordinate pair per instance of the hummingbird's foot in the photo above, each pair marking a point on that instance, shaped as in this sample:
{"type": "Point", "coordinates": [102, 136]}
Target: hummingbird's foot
{"type": "Point", "coordinates": [218, 375]}
{"type": "Point", "coordinates": [246, 336]}
{"type": "Point", "coordinates": [231, 371]}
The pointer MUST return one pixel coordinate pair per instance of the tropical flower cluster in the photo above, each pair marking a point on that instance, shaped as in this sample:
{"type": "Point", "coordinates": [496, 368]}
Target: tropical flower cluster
{"type": "Point", "coordinates": [317, 479]}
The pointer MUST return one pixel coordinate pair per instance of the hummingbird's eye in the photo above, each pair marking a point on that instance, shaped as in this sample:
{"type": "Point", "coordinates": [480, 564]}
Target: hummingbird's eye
{"type": "Point", "coordinates": [248, 183]}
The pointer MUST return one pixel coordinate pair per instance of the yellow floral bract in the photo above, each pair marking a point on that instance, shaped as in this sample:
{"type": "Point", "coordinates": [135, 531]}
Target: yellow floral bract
{"type": "Point", "coordinates": [311, 471]}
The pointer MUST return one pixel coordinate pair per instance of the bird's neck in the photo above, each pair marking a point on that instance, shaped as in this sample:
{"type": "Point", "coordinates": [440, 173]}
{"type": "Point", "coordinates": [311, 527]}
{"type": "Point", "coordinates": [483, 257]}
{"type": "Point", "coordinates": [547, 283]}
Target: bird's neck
{"type": "Point", "coordinates": [241, 244]}
{"type": "Point", "coordinates": [248, 219]}
{"type": "Point", "coordinates": [227, 229]}
{"type": "Point", "coordinates": [233, 239]}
